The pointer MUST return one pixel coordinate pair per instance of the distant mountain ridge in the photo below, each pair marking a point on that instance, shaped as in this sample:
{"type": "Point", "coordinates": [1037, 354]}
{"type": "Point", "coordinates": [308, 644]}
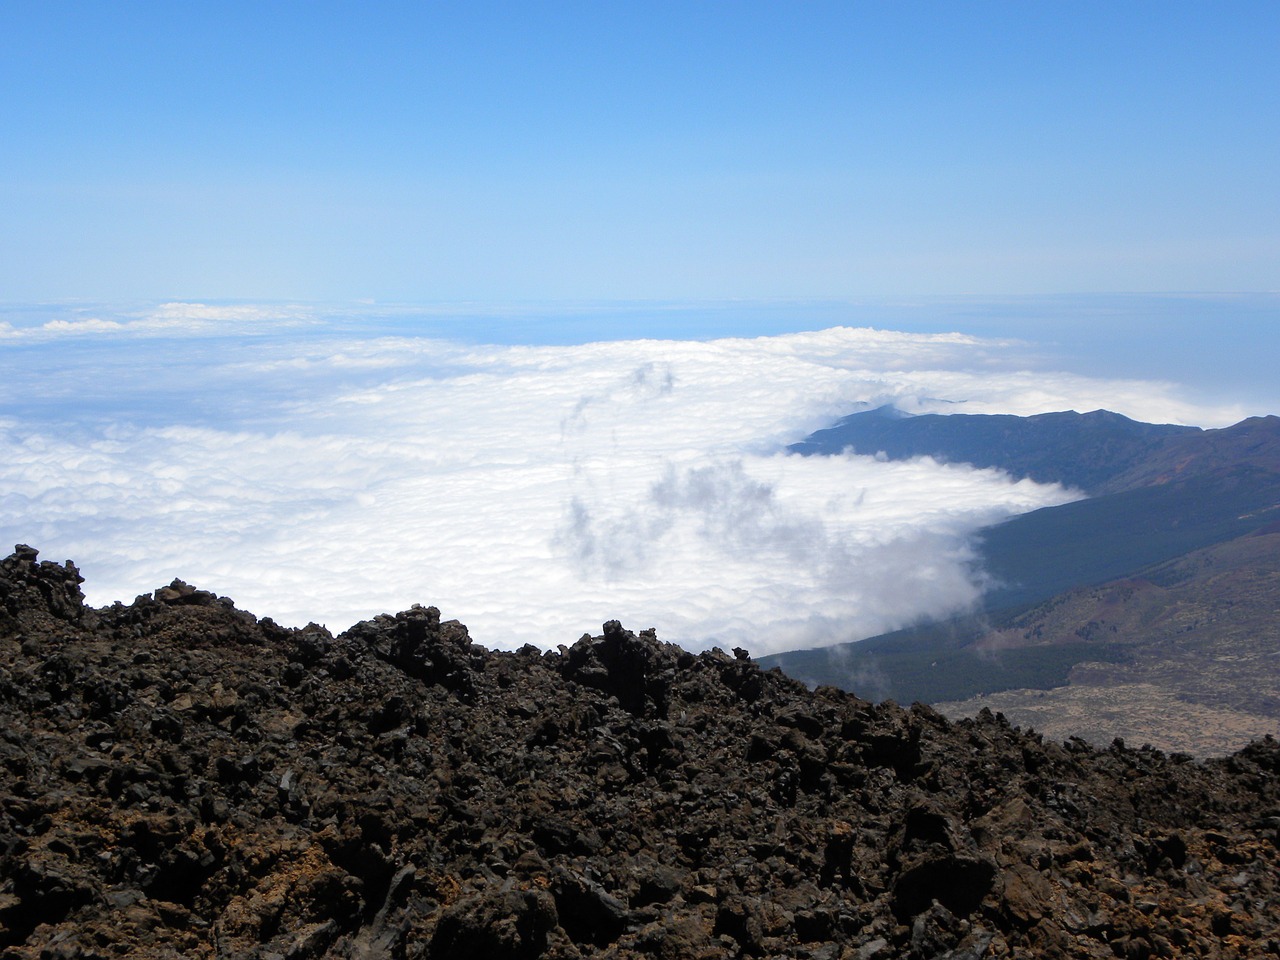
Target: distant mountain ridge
{"type": "Point", "coordinates": [1251, 443]}
{"type": "Point", "coordinates": [1085, 450]}
{"type": "Point", "coordinates": [1160, 494]}
{"type": "Point", "coordinates": [1160, 490]}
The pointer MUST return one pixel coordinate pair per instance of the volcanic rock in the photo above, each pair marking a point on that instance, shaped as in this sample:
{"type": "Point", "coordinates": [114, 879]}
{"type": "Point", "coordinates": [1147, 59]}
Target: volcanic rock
{"type": "Point", "coordinates": [181, 779]}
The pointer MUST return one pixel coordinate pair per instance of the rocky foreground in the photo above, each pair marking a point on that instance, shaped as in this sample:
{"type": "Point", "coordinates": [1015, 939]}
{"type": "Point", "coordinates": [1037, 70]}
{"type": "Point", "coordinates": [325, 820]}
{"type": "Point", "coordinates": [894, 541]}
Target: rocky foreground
{"type": "Point", "coordinates": [181, 779]}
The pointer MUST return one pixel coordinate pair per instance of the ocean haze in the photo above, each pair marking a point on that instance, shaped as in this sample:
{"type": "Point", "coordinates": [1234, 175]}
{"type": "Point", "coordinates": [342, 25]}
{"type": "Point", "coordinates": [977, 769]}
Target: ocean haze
{"type": "Point", "coordinates": [332, 462]}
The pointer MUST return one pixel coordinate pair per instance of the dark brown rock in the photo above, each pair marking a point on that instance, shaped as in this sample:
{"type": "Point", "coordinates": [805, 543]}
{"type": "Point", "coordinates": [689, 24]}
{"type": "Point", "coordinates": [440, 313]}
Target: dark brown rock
{"type": "Point", "coordinates": [178, 778]}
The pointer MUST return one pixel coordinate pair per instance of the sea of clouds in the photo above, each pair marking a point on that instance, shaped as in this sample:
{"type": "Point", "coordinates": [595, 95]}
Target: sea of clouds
{"type": "Point", "coordinates": [313, 467]}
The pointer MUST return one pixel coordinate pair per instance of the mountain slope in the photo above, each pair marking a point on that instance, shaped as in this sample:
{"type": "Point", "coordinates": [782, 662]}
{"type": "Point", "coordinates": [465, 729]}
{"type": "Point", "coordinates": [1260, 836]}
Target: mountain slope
{"type": "Point", "coordinates": [1201, 644]}
{"type": "Point", "coordinates": [179, 778]}
{"type": "Point", "coordinates": [1035, 555]}
{"type": "Point", "coordinates": [1192, 641]}
{"type": "Point", "coordinates": [1188, 492]}
{"type": "Point", "coordinates": [1161, 490]}
{"type": "Point", "coordinates": [1254, 442]}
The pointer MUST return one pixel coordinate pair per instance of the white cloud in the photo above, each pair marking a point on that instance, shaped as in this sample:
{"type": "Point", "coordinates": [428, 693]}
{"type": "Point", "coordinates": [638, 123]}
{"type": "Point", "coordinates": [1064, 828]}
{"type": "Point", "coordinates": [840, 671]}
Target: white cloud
{"type": "Point", "coordinates": [182, 312]}
{"type": "Point", "coordinates": [89, 325]}
{"type": "Point", "coordinates": [164, 320]}
{"type": "Point", "coordinates": [534, 492]}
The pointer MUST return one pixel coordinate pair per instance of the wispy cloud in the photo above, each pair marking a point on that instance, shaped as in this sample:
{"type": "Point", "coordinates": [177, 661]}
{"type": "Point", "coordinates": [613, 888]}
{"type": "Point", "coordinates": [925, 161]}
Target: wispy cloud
{"type": "Point", "coordinates": [531, 492]}
{"type": "Point", "coordinates": [163, 320]}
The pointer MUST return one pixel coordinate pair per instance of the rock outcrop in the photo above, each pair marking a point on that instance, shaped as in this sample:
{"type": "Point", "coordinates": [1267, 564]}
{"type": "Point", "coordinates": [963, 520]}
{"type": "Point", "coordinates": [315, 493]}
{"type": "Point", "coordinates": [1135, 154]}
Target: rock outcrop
{"type": "Point", "coordinates": [181, 779]}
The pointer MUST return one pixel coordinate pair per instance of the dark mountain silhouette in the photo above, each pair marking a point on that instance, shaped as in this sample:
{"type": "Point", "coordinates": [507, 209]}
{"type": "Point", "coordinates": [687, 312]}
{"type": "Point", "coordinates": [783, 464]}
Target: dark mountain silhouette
{"type": "Point", "coordinates": [181, 779]}
{"type": "Point", "coordinates": [1084, 450]}
{"type": "Point", "coordinates": [1169, 494]}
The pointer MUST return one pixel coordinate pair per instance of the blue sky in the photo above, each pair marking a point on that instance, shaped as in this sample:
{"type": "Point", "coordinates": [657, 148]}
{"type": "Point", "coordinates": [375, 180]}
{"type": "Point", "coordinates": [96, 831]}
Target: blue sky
{"type": "Point", "coordinates": [558, 151]}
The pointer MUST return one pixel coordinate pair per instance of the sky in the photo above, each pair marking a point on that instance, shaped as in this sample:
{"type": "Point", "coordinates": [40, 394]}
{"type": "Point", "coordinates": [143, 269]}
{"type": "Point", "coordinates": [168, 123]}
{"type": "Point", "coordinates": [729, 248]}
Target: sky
{"type": "Point", "coordinates": [513, 308]}
{"type": "Point", "coordinates": [412, 152]}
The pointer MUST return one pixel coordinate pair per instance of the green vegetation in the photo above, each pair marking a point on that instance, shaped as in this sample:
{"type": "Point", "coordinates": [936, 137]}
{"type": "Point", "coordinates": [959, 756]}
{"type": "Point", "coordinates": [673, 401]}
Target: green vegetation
{"type": "Point", "coordinates": [923, 665]}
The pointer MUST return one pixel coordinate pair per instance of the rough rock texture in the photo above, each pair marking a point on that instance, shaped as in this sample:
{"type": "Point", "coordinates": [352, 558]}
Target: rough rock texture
{"type": "Point", "coordinates": [180, 779]}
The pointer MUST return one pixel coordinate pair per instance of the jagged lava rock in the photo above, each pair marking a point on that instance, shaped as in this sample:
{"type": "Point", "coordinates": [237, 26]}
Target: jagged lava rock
{"type": "Point", "coordinates": [181, 779]}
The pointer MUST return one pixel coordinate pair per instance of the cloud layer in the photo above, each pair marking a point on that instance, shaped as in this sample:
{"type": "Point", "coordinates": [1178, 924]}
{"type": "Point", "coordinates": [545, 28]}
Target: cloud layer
{"type": "Point", "coordinates": [532, 492]}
